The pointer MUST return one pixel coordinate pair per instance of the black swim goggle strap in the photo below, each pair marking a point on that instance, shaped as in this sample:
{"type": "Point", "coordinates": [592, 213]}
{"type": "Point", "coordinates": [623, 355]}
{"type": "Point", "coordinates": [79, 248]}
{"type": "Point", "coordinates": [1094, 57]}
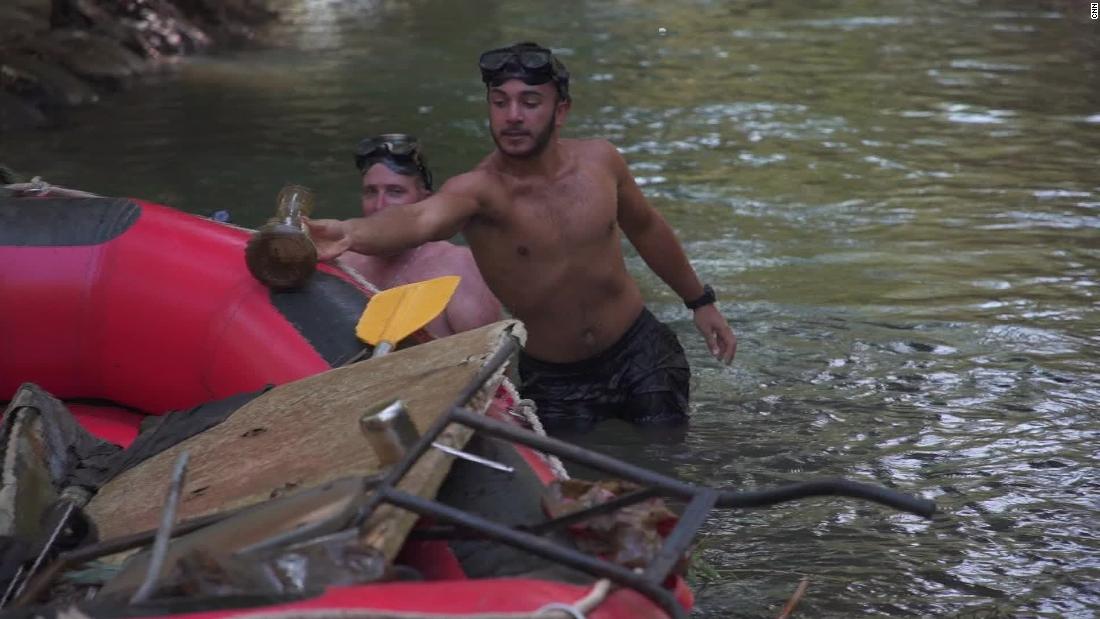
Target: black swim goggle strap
{"type": "Point", "coordinates": [400, 149]}
{"type": "Point", "coordinates": [530, 63]}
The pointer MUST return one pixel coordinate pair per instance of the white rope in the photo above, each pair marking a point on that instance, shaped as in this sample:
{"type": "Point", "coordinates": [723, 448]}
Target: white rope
{"type": "Point", "coordinates": [585, 605]}
{"type": "Point", "coordinates": [39, 187]}
{"type": "Point", "coordinates": [572, 611]}
{"type": "Point", "coordinates": [526, 410]}
{"type": "Point", "coordinates": [355, 276]}
{"type": "Point", "coordinates": [554, 610]}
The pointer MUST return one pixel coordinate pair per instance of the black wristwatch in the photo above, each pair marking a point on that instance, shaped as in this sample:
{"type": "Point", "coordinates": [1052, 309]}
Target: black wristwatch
{"type": "Point", "coordinates": [707, 298]}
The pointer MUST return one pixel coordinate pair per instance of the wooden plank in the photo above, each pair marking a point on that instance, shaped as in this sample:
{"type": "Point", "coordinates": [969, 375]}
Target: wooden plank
{"type": "Point", "coordinates": [306, 433]}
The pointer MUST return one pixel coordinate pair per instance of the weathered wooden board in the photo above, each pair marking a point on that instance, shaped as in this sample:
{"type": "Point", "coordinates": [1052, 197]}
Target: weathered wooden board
{"type": "Point", "coordinates": [306, 433]}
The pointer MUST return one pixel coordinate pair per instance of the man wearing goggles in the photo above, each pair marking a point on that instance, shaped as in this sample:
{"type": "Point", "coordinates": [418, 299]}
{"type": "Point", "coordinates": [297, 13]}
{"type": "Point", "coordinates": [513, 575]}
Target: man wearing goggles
{"type": "Point", "coordinates": [527, 62]}
{"type": "Point", "coordinates": [543, 216]}
{"type": "Point", "coordinates": [399, 152]}
{"type": "Point", "coordinates": [393, 172]}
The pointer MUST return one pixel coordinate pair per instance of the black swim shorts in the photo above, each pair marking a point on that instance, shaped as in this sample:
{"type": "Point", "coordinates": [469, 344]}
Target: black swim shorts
{"type": "Point", "coordinates": [642, 378]}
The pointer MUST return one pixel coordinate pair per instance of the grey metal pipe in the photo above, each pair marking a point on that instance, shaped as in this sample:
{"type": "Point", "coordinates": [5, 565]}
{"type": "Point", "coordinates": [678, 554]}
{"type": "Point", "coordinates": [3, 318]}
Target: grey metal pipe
{"type": "Point", "coordinates": [164, 532]}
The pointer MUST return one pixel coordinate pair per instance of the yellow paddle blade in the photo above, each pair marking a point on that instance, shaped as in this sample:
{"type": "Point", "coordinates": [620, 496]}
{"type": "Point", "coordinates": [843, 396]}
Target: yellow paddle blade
{"type": "Point", "coordinates": [394, 314]}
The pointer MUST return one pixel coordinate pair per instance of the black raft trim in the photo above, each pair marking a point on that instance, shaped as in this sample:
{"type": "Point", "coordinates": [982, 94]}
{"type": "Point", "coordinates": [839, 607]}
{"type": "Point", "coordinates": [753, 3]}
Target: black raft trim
{"type": "Point", "coordinates": [325, 311]}
{"type": "Point", "coordinates": [64, 222]}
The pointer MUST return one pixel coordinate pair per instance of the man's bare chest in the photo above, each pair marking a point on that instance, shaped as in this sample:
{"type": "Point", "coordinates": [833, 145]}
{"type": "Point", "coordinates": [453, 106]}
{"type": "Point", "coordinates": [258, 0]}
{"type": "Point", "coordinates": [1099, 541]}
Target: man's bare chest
{"type": "Point", "coordinates": [569, 214]}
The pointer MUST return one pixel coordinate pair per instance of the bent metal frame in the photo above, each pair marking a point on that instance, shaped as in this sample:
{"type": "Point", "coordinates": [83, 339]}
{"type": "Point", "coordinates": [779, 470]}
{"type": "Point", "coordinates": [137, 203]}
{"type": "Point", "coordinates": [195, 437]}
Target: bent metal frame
{"type": "Point", "coordinates": [648, 581]}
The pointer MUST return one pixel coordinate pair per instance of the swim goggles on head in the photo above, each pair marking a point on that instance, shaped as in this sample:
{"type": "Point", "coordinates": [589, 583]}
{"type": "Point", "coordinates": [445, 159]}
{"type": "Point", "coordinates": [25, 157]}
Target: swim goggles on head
{"type": "Point", "coordinates": [400, 150]}
{"type": "Point", "coordinates": [528, 62]}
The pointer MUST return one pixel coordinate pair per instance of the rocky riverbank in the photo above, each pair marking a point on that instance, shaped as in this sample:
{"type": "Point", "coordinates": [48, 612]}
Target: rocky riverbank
{"type": "Point", "coordinates": [56, 54]}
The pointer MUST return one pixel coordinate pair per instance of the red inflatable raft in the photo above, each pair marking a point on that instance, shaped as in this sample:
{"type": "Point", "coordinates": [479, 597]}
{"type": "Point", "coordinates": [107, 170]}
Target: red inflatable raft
{"type": "Point", "coordinates": [146, 309]}
{"type": "Point", "coordinates": [125, 309]}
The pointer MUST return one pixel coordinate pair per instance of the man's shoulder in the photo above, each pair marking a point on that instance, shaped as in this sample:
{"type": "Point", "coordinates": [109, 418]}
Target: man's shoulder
{"type": "Point", "coordinates": [482, 178]}
{"type": "Point", "coordinates": [443, 258]}
{"type": "Point", "coordinates": [596, 154]}
{"type": "Point", "coordinates": [591, 146]}
{"type": "Point", "coordinates": [483, 184]}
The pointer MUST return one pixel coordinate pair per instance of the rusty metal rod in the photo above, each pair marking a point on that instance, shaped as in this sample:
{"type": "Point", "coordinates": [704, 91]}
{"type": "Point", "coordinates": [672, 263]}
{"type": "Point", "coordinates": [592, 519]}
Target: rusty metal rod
{"type": "Point", "coordinates": [164, 532]}
{"type": "Point", "coordinates": [727, 497]}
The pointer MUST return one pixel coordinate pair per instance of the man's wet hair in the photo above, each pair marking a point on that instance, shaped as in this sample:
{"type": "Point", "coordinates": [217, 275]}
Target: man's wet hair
{"type": "Point", "coordinates": [526, 61]}
{"type": "Point", "coordinates": [400, 152]}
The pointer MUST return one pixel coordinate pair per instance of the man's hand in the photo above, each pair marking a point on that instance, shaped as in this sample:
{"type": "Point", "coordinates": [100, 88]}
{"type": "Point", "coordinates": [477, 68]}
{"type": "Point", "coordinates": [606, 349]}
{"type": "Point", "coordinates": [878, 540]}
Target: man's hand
{"type": "Point", "coordinates": [716, 331]}
{"type": "Point", "coordinates": [329, 236]}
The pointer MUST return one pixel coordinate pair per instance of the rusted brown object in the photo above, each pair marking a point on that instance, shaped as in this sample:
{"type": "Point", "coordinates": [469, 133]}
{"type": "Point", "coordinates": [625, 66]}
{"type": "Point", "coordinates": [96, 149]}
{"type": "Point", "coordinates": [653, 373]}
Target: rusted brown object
{"type": "Point", "coordinates": [281, 256]}
{"type": "Point", "coordinates": [631, 536]}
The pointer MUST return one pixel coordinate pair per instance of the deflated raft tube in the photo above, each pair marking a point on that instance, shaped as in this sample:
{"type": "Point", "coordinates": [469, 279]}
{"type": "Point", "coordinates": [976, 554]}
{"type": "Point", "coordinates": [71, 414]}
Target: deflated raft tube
{"type": "Point", "coordinates": [125, 308]}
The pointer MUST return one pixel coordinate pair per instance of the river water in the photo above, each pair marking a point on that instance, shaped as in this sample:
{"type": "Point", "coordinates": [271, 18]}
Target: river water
{"type": "Point", "coordinates": [898, 201]}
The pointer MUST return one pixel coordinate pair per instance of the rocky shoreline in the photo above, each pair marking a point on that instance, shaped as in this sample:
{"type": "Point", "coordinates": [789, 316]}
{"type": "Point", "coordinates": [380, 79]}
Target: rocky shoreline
{"type": "Point", "coordinates": [56, 54]}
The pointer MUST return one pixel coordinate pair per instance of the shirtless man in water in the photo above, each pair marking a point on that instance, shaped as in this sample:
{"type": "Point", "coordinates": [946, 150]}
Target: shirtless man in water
{"type": "Point", "coordinates": [393, 172]}
{"type": "Point", "coordinates": [543, 216]}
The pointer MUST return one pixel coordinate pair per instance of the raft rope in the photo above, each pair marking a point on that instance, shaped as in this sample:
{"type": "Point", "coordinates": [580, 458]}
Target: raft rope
{"type": "Point", "coordinates": [356, 276]}
{"type": "Point", "coordinates": [554, 610]}
{"type": "Point", "coordinates": [40, 188]}
{"type": "Point", "coordinates": [523, 408]}
{"type": "Point", "coordinates": [526, 409]}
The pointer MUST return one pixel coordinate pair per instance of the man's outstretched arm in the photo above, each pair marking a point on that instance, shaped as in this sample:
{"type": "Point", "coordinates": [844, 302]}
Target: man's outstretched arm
{"type": "Point", "coordinates": [657, 244]}
{"type": "Point", "coordinates": [395, 229]}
